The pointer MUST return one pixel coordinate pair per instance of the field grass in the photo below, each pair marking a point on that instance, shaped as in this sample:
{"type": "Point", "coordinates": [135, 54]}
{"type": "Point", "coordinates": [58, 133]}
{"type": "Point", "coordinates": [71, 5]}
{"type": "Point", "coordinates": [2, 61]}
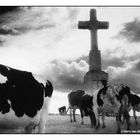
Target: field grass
{"type": "Point", "coordinates": [58, 124]}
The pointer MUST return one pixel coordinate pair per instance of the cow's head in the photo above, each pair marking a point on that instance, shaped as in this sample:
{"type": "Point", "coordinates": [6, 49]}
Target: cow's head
{"type": "Point", "coordinates": [121, 90]}
{"type": "Point", "coordinates": [108, 98]}
{"type": "Point", "coordinates": [114, 95]}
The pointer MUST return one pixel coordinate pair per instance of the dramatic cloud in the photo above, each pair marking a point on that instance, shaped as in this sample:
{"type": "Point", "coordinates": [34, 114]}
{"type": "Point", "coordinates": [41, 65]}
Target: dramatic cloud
{"type": "Point", "coordinates": [4, 30]}
{"type": "Point", "coordinates": [6, 9]}
{"type": "Point", "coordinates": [22, 20]}
{"type": "Point", "coordinates": [123, 67]}
{"type": "Point", "coordinates": [131, 31]}
{"type": "Point", "coordinates": [67, 76]}
{"type": "Point", "coordinates": [127, 74]}
{"type": "Point", "coordinates": [137, 67]}
{"type": "Point", "coordinates": [33, 36]}
{"type": "Point", "coordinates": [47, 42]}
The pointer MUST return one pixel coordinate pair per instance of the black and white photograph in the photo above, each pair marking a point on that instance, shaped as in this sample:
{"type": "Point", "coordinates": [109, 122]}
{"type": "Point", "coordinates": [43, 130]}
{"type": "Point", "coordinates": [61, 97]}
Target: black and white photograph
{"type": "Point", "coordinates": [69, 69]}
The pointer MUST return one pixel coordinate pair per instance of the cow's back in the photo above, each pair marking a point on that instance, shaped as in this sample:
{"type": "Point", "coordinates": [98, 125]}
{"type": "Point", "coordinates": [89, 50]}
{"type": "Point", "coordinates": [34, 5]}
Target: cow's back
{"type": "Point", "coordinates": [134, 99]}
{"type": "Point", "coordinates": [22, 97]}
{"type": "Point", "coordinates": [21, 92]}
{"type": "Point", "coordinates": [75, 98]}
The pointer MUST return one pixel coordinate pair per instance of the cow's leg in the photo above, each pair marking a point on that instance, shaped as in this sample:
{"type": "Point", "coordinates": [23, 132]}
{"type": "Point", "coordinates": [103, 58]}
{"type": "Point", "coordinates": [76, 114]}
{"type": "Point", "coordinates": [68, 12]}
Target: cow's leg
{"type": "Point", "coordinates": [32, 126]}
{"type": "Point", "coordinates": [96, 116]}
{"type": "Point", "coordinates": [128, 120]}
{"type": "Point", "coordinates": [92, 119]}
{"type": "Point", "coordinates": [29, 128]}
{"type": "Point", "coordinates": [118, 119]}
{"type": "Point", "coordinates": [135, 117]}
{"type": "Point", "coordinates": [71, 114]}
{"type": "Point", "coordinates": [43, 116]}
{"type": "Point", "coordinates": [123, 119]}
{"type": "Point", "coordinates": [74, 114]}
{"type": "Point", "coordinates": [103, 119]}
{"type": "Point", "coordinates": [82, 115]}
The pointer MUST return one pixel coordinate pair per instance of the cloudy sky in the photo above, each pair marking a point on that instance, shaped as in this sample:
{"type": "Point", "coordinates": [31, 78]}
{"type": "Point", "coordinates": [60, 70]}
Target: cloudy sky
{"type": "Point", "coordinates": [47, 42]}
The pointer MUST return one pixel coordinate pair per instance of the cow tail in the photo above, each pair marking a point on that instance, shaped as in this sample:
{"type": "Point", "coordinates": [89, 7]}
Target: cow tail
{"type": "Point", "coordinates": [48, 89]}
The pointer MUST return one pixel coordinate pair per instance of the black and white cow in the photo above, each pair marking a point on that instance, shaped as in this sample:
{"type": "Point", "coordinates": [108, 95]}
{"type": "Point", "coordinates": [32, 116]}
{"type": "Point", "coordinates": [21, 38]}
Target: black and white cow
{"type": "Point", "coordinates": [112, 98]}
{"type": "Point", "coordinates": [22, 96]}
{"type": "Point", "coordinates": [79, 100]}
{"type": "Point", "coordinates": [134, 104]}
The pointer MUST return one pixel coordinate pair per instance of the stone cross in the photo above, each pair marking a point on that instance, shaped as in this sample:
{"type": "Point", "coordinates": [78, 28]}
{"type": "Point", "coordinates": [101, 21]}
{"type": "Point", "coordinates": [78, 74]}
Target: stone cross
{"type": "Point", "coordinates": [93, 25]}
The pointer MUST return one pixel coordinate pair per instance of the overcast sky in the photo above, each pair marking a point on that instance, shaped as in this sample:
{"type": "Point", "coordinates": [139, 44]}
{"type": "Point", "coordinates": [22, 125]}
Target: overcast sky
{"type": "Point", "coordinates": [47, 42]}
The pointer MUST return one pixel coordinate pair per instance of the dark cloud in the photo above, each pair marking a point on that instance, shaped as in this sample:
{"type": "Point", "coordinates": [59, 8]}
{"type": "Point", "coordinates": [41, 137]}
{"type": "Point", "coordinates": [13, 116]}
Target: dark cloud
{"type": "Point", "coordinates": [128, 74]}
{"type": "Point", "coordinates": [7, 9]}
{"type": "Point", "coordinates": [45, 26]}
{"type": "Point", "coordinates": [109, 58]}
{"type": "Point", "coordinates": [136, 68]}
{"type": "Point", "coordinates": [116, 62]}
{"type": "Point", "coordinates": [26, 19]}
{"type": "Point", "coordinates": [67, 76]}
{"type": "Point", "coordinates": [129, 79]}
{"type": "Point", "coordinates": [20, 20]}
{"type": "Point", "coordinates": [2, 40]}
{"type": "Point", "coordinates": [6, 30]}
{"type": "Point", "coordinates": [124, 68]}
{"type": "Point", "coordinates": [121, 68]}
{"type": "Point", "coordinates": [25, 29]}
{"type": "Point", "coordinates": [106, 60]}
{"type": "Point", "coordinates": [1, 43]}
{"type": "Point", "coordinates": [130, 31]}
{"type": "Point", "coordinates": [68, 82]}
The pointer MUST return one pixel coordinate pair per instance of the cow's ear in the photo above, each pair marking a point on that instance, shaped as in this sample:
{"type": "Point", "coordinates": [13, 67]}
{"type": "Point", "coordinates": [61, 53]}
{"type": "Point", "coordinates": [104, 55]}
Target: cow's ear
{"type": "Point", "coordinates": [4, 70]}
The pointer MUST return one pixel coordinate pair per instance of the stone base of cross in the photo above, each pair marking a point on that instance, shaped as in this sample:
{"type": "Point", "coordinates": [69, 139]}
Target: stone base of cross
{"type": "Point", "coordinates": [92, 80]}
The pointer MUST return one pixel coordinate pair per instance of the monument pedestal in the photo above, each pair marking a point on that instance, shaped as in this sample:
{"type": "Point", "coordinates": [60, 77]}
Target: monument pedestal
{"type": "Point", "coordinates": [92, 80]}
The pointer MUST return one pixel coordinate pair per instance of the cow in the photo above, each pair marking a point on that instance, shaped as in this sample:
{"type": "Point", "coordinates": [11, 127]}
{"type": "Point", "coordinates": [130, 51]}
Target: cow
{"type": "Point", "coordinates": [62, 110]}
{"type": "Point", "coordinates": [79, 100]}
{"type": "Point", "coordinates": [134, 105]}
{"type": "Point", "coordinates": [22, 96]}
{"type": "Point", "coordinates": [112, 98]}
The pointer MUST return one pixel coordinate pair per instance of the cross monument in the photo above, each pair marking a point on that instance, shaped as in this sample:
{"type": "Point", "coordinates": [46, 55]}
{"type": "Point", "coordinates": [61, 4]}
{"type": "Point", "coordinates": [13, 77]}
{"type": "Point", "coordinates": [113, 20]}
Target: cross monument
{"type": "Point", "coordinates": [95, 75]}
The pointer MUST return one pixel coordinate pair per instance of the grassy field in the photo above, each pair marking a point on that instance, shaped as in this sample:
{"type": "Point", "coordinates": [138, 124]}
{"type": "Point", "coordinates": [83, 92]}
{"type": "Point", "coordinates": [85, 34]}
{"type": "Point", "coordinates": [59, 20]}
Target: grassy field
{"type": "Point", "coordinates": [58, 124]}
